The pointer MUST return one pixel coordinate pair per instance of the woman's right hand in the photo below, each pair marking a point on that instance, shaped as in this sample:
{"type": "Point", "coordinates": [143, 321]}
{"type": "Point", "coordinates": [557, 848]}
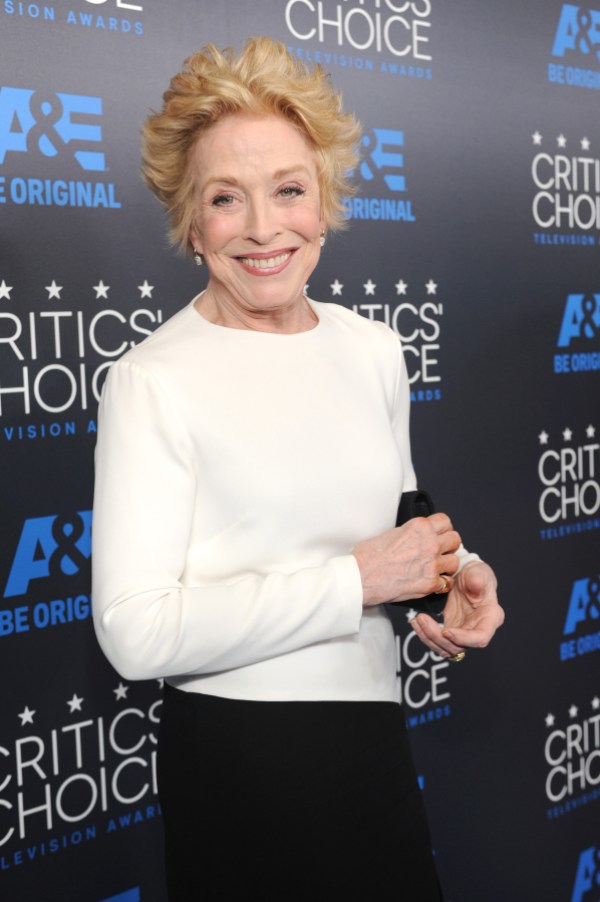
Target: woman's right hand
{"type": "Point", "coordinates": [410, 561]}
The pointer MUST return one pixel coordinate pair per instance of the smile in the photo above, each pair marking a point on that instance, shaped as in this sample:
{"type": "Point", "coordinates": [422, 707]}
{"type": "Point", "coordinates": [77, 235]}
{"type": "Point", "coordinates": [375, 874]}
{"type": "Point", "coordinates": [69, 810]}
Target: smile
{"type": "Point", "coordinates": [266, 262]}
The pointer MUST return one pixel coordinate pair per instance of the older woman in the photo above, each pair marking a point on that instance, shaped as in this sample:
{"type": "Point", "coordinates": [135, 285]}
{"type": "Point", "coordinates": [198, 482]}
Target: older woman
{"type": "Point", "coordinates": [244, 541]}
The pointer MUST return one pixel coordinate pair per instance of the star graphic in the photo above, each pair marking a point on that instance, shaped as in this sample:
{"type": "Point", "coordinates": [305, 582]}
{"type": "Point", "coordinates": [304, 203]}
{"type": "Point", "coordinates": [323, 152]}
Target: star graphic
{"type": "Point", "coordinates": [543, 437]}
{"type": "Point", "coordinates": [561, 141]}
{"type": "Point", "coordinates": [369, 287]}
{"type": "Point", "coordinates": [401, 286]}
{"type": "Point", "coordinates": [431, 287]}
{"type": "Point", "coordinates": [411, 614]}
{"type": "Point", "coordinates": [585, 143]}
{"type": "Point", "coordinates": [336, 287]}
{"type": "Point", "coordinates": [567, 434]}
{"type": "Point", "coordinates": [590, 431]}
{"type": "Point", "coordinates": [5, 290]}
{"type": "Point", "coordinates": [75, 703]}
{"type": "Point", "coordinates": [537, 138]}
{"type": "Point", "coordinates": [54, 290]}
{"type": "Point", "coordinates": [573, 711]}
{"type": "Point", "coordinates": [101, 290]}
{"type": "Point", "coordinates": [121, 692]}
{"type": "Point", "coordinates": [26, 716]}
{"type": "Point", "coordinates": [595, 703]}
{"type": "Point", "coordinates": [145, 290]}
{"type": "Point", "coordinates": [549, 720]}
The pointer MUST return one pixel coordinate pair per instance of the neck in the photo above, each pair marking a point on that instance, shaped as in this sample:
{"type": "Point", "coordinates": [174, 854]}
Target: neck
{"type": "Point", "coordinates": [221, 311]}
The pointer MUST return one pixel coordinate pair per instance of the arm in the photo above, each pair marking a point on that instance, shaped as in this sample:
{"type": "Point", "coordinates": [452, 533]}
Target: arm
{"type": "Point", "coordinates": [149, 622]}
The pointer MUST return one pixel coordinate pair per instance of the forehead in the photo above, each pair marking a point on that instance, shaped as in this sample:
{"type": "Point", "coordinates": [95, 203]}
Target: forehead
{"type": "Point", "coordinates": [265, 144]}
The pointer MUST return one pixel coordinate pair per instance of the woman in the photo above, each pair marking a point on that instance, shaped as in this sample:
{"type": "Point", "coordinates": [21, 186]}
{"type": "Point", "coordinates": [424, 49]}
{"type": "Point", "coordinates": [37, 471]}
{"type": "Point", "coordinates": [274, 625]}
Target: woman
{"type": "Point", "coordinates": [243, 540]}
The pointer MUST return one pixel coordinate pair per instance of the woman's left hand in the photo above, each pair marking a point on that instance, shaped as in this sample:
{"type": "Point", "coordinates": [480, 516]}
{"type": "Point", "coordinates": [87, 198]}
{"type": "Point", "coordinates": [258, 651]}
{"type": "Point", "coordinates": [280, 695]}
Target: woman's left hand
{"type": "Point", "coordinates": [471, 615]}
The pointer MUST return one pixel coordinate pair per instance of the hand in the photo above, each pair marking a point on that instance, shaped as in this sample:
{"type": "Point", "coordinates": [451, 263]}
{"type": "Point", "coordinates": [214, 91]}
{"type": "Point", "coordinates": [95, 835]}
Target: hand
{"type": "Point", "coordinates": [409, 561]}
{"type": "Point", "coordinates": [471, 615]}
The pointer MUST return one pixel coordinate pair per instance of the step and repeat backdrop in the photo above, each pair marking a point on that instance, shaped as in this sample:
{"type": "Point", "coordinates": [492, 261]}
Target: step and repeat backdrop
{"type": "Point", "coordinates": [475, 235]}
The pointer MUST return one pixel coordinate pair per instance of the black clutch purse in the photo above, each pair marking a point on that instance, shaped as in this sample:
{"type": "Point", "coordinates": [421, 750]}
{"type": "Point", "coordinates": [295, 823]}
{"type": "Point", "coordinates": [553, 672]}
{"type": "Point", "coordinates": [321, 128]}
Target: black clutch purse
{"type": "Point", "coordinates": [419, 504]}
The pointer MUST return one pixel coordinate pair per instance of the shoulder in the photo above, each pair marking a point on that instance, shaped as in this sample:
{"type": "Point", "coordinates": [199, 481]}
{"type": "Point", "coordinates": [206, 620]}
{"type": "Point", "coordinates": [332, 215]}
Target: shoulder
{"type": "Point", "coordinates": [367, 331]}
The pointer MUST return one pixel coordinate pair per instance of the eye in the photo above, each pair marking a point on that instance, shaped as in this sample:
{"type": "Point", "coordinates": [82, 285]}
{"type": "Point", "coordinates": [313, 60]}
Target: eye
{"type": "Point", "coordinates": [291, 191]}
{"type": "Point", "coordinates": [222, 200]}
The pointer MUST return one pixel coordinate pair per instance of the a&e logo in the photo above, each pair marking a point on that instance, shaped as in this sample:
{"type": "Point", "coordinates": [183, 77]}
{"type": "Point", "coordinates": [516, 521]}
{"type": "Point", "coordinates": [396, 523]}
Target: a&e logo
{"type": "Point", "coordinates": [583, 614]}
{"type": "Point", "coordinates": [55, 546]}
{"type": "Point", "coordinates": [51, 126]}
{"type": "Point", "coordinates": [579, 328]}
{"type": "Point", "coordinates": [587, 878]}
{"type": "Point", "coordinates": [577, 33]}
{"type": "Point", "coordinates": [382, 173]}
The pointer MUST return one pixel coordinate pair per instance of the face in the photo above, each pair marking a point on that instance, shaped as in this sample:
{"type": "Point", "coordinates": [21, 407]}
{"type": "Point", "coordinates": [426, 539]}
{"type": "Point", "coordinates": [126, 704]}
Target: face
{"type": "Point", "coordinates": [258, 223]}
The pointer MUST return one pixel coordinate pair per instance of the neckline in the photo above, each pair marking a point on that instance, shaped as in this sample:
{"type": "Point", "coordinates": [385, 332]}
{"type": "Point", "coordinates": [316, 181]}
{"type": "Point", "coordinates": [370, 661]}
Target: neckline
{"type": "Point", "coordinates": [231, 330]}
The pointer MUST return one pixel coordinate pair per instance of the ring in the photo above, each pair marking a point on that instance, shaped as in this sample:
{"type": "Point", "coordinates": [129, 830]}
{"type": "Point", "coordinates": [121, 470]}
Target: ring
{"type": "Point", "coordinates": [457, 657]}
{"type": "Point", "coordinates": [443, 586]}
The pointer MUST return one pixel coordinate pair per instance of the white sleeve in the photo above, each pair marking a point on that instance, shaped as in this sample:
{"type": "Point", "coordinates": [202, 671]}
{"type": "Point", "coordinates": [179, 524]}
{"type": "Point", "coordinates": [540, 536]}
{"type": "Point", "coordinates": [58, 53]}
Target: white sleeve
{"type": "Point", "coordinates": [400, 423]}
{"type": "Point", "coordinates": [148, 623]}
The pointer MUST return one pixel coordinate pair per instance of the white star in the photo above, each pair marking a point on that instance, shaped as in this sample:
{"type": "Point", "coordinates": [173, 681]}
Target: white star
{"type": "Point", "coordinates": [543, 437]}
{"type": "Point", "coordinates": [537, 138]}
{"type": "Point", "coordinates": [75, 703]}
{"type": "Point", "coordinates": [121, 691]}
{"type": "Point", "coordinates": [401, 287]}
{"type": "Point", "coordinates": [369, 287]}
{"type": "Point", "coordinates": [336, 287]}
{"type": "Point", "coordinates": [146, 290]}
{"type": "Point", "coordinates": [590, 431]}
{"type": "Point", "coordinates": [5, 290]}
{"type": "Point", "coordinates": [411, 614]}
{"type": "Point", "coordinates": [595, 703]}
{"type": "Point", "coordinates": [549, 720]}
{"type": "Point", "coordinates": [585, 143]}
{"type": "Point", "coordinates": [573, 711]}
{"type": "Point", "coordinates": [561, 141]}
{"type": "Point", "coordinates": [431, 287]}
{"type": "Point", "coordinates": [26, 716]}
{"type": "Point", "coordinates": [53, 290]}
{"type": "Point", "coordinates": [101, 290]}
{"type": "Point", "coordinates": [567, 434]}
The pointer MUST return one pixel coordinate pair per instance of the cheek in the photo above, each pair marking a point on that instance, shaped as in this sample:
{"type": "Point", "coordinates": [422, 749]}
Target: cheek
{"type": "Point", "coordinates": [215, 231]}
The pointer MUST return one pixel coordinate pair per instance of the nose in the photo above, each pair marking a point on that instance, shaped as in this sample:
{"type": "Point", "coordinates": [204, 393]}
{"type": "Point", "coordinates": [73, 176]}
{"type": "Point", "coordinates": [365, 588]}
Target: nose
{"type": "Point", "coordinates": [261, 222]}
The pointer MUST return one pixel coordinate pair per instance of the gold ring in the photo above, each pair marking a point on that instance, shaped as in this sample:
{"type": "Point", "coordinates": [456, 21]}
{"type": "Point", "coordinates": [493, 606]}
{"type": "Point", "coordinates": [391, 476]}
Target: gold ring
{"type": "Point", "coordinates": [457, 657]}
{"type": "Point", "coordinates": [443, 586]}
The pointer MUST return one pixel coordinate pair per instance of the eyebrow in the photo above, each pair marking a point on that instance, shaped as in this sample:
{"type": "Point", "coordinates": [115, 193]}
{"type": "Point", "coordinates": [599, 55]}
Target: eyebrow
{"type": "Point", "coordinates": [277, 175]}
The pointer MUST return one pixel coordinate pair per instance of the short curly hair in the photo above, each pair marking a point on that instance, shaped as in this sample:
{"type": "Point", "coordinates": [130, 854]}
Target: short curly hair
{"type": "Point", "coordinates": [264, 79]}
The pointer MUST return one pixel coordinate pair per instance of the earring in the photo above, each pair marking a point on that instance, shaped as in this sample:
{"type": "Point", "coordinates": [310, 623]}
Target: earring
{"type": "Point", "coordinates": [198, 258]}
{"type": "Point", "coordinates": [322, 239]}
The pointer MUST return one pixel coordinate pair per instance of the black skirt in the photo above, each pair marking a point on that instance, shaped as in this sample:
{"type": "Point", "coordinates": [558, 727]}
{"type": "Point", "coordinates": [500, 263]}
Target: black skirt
{"type": "Point", "coordinates": [291, 801]}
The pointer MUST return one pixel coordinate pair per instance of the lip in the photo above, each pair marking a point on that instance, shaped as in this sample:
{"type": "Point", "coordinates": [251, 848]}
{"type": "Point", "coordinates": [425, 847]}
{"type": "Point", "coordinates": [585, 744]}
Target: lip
{"type": "Point", "coordinates": [268, 263]}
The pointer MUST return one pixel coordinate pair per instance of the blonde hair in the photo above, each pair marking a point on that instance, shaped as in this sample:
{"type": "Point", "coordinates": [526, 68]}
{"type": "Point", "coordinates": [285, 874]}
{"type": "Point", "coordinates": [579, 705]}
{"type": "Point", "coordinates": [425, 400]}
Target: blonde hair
{"type": "Point", "coordinates": [263, 80]}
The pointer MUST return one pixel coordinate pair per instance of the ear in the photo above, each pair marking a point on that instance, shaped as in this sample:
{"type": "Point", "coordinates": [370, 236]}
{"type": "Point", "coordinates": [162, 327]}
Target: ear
{"type": "Point", "coordinates": [195, 239]}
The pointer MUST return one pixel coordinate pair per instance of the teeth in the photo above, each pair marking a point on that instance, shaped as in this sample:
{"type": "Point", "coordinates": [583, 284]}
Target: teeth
{"type": "Point", "coordinates": [265, 262]}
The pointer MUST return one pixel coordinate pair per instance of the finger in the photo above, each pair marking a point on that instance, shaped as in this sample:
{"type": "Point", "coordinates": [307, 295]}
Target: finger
{"type": "Point", "coordinates": [440, 522]}
{"type": "Point", "coordinates": [432, 635]}
{"type": "Point", "coordinates": [448, 563]}
{"type": "Point", "coordinates": [479, 636]}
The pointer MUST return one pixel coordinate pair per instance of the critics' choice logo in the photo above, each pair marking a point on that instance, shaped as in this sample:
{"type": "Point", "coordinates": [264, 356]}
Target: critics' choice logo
{"type": "Point", "coordinates": [74, 779]}
{"type": "Point", "coordinates": [587, 876]}
{"type": "Point", "coordinates": [578, 343]}
{"type": "Point", "coordinates": [421, 680]}
{"type": "Point", "coordinates": [569, 476]}
{"type": "Point", "coordinates": [102, 20]}
{"type": "Point", "coordinates": [572, 758]}
{"type": "Point", "coordinates": [416, 321]}
{"type": "Point", "coordinates": [49, 131]}
{"type": "Point", "coordinates": [54, 361]}
{"type": "Point", "coordinates": [390, 36]}
{"type": "Point", "coordinates": [383, 191]}
{"type": "Point", "coordinates": [582, 624]}
{"type": "Point", "coordinates": [566, 200]}
{"type": "Point", "coordinates": [576, 48]}
{"type": "Point", "coordinates": [50, 551]}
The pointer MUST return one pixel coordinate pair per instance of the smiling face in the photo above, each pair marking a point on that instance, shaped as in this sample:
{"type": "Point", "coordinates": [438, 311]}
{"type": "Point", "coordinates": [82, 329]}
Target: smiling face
{"type": "Point", "coordinates": [258, 223]}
